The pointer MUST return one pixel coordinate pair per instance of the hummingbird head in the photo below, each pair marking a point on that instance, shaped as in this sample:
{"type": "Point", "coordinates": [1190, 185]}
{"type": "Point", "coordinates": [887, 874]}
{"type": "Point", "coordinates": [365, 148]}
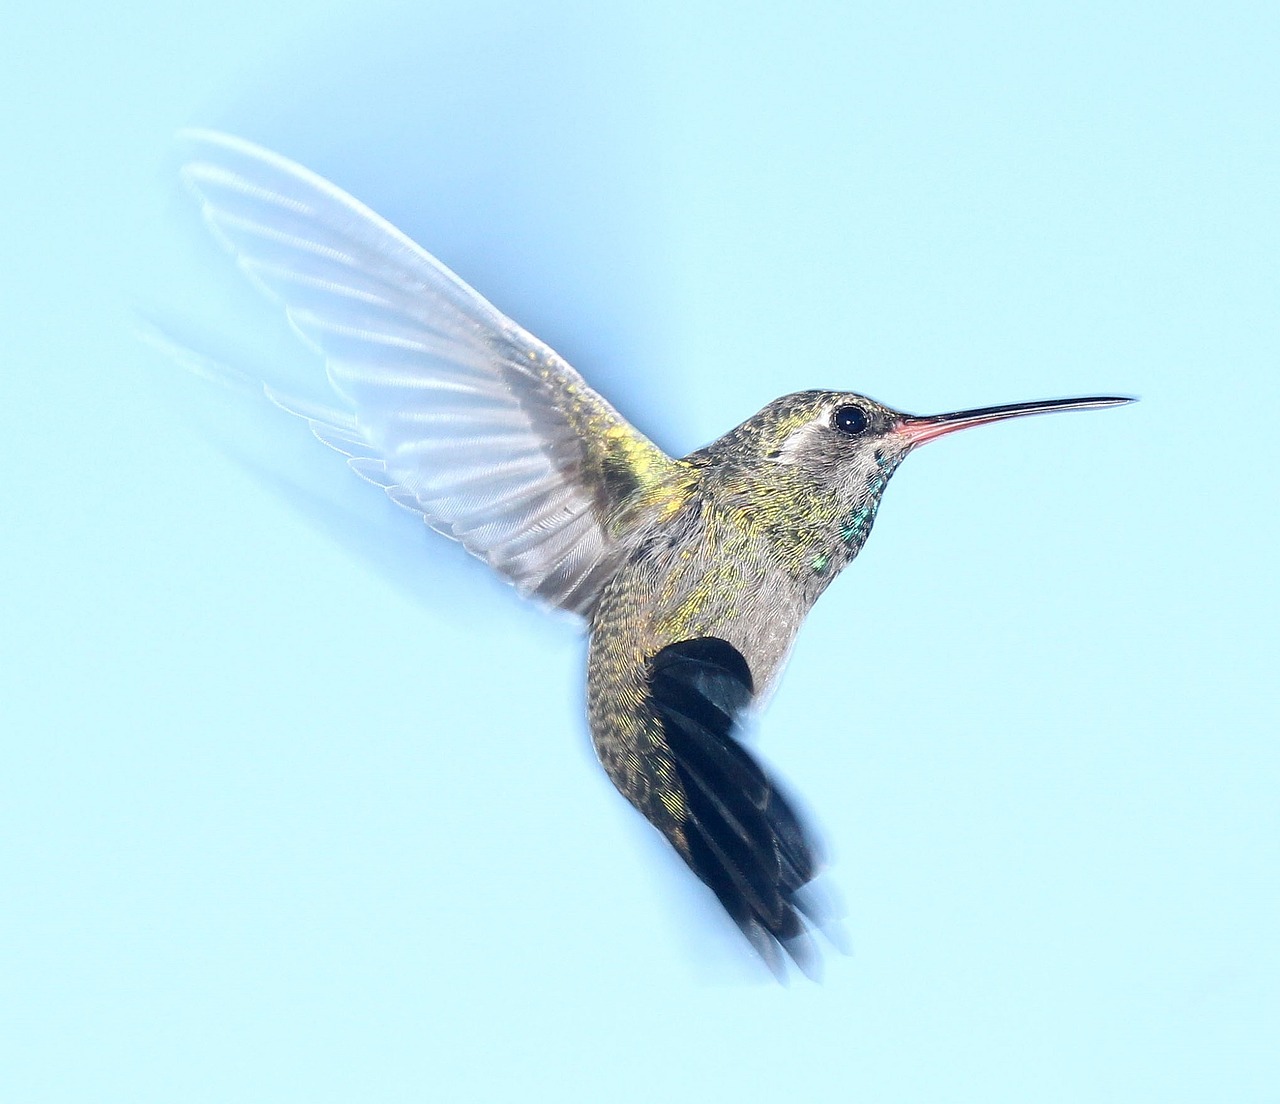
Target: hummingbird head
{"type": "Point", "coordinates": [845, 446]}
{"type": "Point", "coordinates": [832, 430]}
{"type": "Point", "coordinates": [845, 443]}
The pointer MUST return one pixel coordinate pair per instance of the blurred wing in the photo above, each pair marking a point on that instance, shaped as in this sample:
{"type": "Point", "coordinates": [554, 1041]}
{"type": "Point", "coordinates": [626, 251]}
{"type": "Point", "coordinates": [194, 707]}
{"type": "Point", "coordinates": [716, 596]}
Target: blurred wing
{"type": "Point", "coordinates": [457, 412]}
{"type": "Point", "coordinates": [716, 804]}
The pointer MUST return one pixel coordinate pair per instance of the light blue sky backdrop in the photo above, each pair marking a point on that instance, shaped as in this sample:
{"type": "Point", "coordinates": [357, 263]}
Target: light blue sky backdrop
{"type": "Point", "coordinates": [292, 818]}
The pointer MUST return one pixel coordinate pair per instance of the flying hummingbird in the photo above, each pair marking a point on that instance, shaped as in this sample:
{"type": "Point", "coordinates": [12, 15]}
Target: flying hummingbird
{"type": "Point", "coordinates": [692, 575]}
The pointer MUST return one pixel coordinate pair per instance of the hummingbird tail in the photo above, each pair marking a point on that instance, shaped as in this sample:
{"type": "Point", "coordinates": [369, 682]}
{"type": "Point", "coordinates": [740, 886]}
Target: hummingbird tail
{"type": "Point", "coordinates": [736, 830]}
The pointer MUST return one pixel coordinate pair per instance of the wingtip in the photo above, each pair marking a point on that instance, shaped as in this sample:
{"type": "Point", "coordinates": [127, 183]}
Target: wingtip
{"type": "Point", "coordinates": [207, 136]}
{"type": "Point", "coordinates": [156, 335]}
{"type": "Point", "coordinates": [215, 153]}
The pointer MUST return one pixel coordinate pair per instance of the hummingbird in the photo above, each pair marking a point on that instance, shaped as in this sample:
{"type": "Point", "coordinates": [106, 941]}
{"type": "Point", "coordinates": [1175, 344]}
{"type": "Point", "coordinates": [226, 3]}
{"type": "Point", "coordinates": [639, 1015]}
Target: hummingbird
{"type": "Point", "coordinates": [692, 575]}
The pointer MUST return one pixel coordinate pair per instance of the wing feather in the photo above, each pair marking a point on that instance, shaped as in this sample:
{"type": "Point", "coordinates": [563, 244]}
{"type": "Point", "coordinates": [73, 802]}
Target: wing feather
{"type": "Point", "coordinates": [455, 411]}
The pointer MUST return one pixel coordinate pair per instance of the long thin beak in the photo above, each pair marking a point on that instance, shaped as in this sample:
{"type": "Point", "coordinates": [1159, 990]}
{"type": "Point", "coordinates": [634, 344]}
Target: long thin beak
{"type": "Point", "coordinates": [918, 429]}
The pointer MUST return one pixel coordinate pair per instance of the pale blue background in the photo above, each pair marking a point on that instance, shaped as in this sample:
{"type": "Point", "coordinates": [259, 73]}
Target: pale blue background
{"type": "Point", "coordinates": [278, 825]}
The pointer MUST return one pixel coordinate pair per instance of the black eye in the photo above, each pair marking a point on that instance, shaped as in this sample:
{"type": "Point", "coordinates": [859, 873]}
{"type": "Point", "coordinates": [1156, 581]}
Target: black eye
{"type": "Point", "coordinates": [849, 419]}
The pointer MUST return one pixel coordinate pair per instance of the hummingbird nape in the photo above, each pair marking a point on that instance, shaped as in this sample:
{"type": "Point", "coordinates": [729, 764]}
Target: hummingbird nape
{"type": "Point", "coordinates": [692, 575]}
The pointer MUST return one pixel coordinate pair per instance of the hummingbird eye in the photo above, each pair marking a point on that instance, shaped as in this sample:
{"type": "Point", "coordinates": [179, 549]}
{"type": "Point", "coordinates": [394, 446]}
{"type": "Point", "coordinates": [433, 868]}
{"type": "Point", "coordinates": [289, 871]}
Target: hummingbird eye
{"type": "Point", "coordinates": [849, 419]}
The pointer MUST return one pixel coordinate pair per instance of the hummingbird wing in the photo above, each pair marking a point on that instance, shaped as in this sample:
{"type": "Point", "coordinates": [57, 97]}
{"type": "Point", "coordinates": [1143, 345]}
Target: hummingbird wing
{"type": "Point", "coordinates": [455, 411]}
{"type": "Point", "coordinates": [711, 798]}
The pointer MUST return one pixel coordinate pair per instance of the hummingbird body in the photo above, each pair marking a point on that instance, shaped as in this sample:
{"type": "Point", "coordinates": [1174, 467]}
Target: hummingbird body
{"type": "Point", "coordinates": [747, 539]}
{"type": "Point", "coordinates": [692, 575]}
